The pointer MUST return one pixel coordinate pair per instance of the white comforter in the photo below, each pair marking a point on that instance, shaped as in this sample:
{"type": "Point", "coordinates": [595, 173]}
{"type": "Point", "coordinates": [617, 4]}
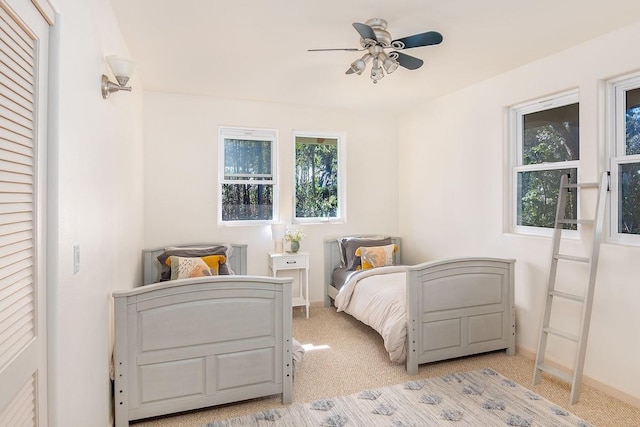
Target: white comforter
{"type": "Point", "coordinates": [377, 297]}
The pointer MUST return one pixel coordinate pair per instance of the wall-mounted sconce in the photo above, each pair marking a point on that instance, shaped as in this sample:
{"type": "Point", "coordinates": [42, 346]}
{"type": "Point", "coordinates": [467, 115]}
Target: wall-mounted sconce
{"type": "Point", "coordinates": [122, 68]}
{"type": "Point", "coordinates": [277, 234]}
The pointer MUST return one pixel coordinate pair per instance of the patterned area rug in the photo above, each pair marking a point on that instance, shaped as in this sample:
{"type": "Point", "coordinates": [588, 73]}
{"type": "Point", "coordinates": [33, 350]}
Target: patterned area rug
{"type": "Point", "coordinates": [478, 398]}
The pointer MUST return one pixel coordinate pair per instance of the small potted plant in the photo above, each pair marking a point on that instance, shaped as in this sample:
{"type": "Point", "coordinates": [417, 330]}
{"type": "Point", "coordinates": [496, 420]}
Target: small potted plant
{"type": "Point", "coordinates": [294, 237]}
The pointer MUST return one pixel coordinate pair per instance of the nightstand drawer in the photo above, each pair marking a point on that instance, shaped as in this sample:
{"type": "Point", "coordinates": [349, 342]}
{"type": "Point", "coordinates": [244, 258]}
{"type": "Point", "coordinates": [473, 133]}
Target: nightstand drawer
{"type": "Point", "coordinates": [289, 261]}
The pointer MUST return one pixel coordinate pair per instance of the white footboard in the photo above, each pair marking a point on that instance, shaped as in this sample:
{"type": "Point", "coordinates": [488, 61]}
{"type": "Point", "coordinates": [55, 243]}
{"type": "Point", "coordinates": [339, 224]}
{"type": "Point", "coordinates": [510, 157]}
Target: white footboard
{"type": "Point", "coordinates": [194, 343]}
{"type": "Point", "coordinates": [459, 307]}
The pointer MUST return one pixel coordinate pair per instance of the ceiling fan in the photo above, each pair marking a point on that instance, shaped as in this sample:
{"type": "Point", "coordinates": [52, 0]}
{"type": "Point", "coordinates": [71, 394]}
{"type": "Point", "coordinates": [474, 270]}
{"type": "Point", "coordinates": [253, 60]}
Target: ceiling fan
{"type": "Point", "coordinates": [375, 39]}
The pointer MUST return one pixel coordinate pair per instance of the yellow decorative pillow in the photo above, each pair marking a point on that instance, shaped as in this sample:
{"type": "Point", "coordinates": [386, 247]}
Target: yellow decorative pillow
{"type": "Point", "coordinates": [214, 261]}
{"type": "Point", "coordinates": [376, 256]}
{"type": "Point", "coordinates": [184, 268]}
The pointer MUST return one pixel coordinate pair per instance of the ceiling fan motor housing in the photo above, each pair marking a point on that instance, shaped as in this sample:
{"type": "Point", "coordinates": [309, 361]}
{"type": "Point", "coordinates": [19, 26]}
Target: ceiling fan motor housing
{"type": "Point", "coordinates": [379, 27]}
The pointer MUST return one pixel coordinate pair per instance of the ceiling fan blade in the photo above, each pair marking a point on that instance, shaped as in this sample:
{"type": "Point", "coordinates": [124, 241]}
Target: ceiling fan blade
{"type": "Point", "coordinates": [348, 49]}
{"type": "Point", "coordinates": [424, 39]}
{"type": "Point", "coordinates": [407, 61]}
{"type": "Point", "coordinates": [365, 31]}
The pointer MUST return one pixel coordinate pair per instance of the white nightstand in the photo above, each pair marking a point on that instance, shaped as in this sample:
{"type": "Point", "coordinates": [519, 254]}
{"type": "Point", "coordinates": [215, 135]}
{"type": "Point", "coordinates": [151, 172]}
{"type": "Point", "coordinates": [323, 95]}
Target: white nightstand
{"type": "Point", "coordinates": [294, 261]}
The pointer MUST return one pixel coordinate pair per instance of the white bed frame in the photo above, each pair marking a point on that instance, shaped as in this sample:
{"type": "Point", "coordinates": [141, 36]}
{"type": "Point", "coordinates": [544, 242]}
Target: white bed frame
{"type": "Point", "coordinates": [455, 307]}
{"type": "Point", "coordinates": [193, 343]}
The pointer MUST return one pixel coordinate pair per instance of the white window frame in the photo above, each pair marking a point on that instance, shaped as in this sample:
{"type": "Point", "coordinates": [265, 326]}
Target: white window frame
{"type": "Point", "coordinates": [251, 134]}
{"type": "Point", "coordinates": [616, 150]}
{"type": "Point", "coordinates": [516, 114]}
{"type": "Point", "coordinates": [341, 216]}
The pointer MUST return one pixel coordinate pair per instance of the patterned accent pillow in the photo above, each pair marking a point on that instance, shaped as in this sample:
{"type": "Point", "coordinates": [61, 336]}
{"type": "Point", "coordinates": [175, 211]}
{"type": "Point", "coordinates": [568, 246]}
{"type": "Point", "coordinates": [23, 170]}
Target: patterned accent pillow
{"type": "Point", "coordinates": [196, 251]}
{"type": "Point", "coordinates": [349, 245]}
{"type": "Point", "coordinates": [225, 268]}
{"type": "Point", "coordinates": [214, 262]}
{"type": "Point", "coordinates": [376, 256]}
{"type": "Point", "coordinates": [184, 268]}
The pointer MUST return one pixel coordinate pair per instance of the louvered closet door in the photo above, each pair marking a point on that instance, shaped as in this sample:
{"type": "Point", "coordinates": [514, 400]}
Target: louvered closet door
{"type": "Point", "coordinates": [23, 83]}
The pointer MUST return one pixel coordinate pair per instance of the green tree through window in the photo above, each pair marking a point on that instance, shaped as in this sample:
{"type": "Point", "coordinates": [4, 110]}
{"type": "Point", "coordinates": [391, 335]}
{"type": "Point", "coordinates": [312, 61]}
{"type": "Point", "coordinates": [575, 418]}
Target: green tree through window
{"type": "Point", "coordinates": [316, 177]}
{"type": "Point", "coordinates": [548, 147]}
{"type": "Point", "coordinates": [629, 173]}
{"type": "Point", "coordinates": [247, 180]}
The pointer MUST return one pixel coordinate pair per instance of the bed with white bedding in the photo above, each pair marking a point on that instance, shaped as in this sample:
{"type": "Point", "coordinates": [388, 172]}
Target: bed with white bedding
{"type": "Point", "coordinates": [200, 341]}
{"type": "Point", "coordinates": [427, 312]}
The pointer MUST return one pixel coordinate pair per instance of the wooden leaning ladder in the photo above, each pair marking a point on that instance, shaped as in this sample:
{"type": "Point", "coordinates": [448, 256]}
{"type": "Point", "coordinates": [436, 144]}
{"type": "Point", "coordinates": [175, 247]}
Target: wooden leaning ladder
{"type": "Point", "coordinates": [574, 378]}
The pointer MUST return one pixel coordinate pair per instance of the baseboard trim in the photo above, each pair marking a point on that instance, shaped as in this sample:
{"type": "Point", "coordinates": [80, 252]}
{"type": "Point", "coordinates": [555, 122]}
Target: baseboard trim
{"type": "Point", "coordinates": [605, 388]}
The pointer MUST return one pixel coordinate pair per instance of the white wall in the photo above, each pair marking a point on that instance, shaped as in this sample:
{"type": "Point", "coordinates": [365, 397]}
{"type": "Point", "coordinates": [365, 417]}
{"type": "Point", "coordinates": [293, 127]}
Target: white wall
{"type": "Point", "coordinates": [454, 186]}
{"type": "Point", "coordinates": [95, 200]}
{"type": "Point", "coordinates": [181, 164]}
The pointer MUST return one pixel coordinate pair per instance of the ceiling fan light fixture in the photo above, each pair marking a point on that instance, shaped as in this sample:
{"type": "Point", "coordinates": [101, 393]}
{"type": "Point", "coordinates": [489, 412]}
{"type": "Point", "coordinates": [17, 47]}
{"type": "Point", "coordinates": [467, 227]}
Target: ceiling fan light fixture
{"type": "Point", "coordinates": [376, 71]}
{"type": "Point", "coordinates": [389, 64]}
{"type": "Point", "coordinates": [359, 65]}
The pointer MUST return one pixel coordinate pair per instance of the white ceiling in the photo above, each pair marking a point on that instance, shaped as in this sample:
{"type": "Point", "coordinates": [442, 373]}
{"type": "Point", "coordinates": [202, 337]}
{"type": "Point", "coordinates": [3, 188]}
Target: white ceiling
{"type": "Point", "coordinates": [257, 49]}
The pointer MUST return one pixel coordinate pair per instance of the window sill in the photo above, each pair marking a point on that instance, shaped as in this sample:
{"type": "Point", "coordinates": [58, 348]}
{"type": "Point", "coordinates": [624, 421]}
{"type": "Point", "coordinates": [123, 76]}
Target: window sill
{"type": "Point", "coordinates": [545, 232]}
{"type": "Point", "coordinates": [319, 221]}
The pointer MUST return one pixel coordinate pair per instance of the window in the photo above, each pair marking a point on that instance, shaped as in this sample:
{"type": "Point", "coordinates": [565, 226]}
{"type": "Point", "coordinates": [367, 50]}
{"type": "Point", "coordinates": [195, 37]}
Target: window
{"type": "Point", "coordinates": [547, 146]}
{"type": "Point", "coordinates": [625, 160]}
{"type": "Point", "coordinates": [247, 175]}
{"type": "Point", "coordinates": [318, 177]}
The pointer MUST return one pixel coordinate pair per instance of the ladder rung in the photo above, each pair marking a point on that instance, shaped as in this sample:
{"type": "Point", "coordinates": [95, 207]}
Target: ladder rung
{"type": "Point", "coordinates": [575, 221]}
{"type": "Point", "coordinates": [583, 185]}
{"type": "Point", "coordinates": [556, 372]}
{"type": "Point", "coordinates": [572, 258]}
{"type": "Point", "coordinates": [561, 334]}
{"type": "Point", "coordinates": [565, 295]}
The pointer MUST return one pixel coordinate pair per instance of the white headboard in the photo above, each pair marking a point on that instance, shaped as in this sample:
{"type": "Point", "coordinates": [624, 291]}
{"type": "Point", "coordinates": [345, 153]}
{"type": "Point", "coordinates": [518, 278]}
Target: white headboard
{"type": "Point", "coordinates": [151, 267]}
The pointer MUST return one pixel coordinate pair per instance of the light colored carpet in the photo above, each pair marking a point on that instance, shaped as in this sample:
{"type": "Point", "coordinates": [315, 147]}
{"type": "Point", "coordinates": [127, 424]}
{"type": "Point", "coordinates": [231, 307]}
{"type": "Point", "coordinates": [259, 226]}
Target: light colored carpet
{"type": "Point", "coordinates": [349, 357]}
